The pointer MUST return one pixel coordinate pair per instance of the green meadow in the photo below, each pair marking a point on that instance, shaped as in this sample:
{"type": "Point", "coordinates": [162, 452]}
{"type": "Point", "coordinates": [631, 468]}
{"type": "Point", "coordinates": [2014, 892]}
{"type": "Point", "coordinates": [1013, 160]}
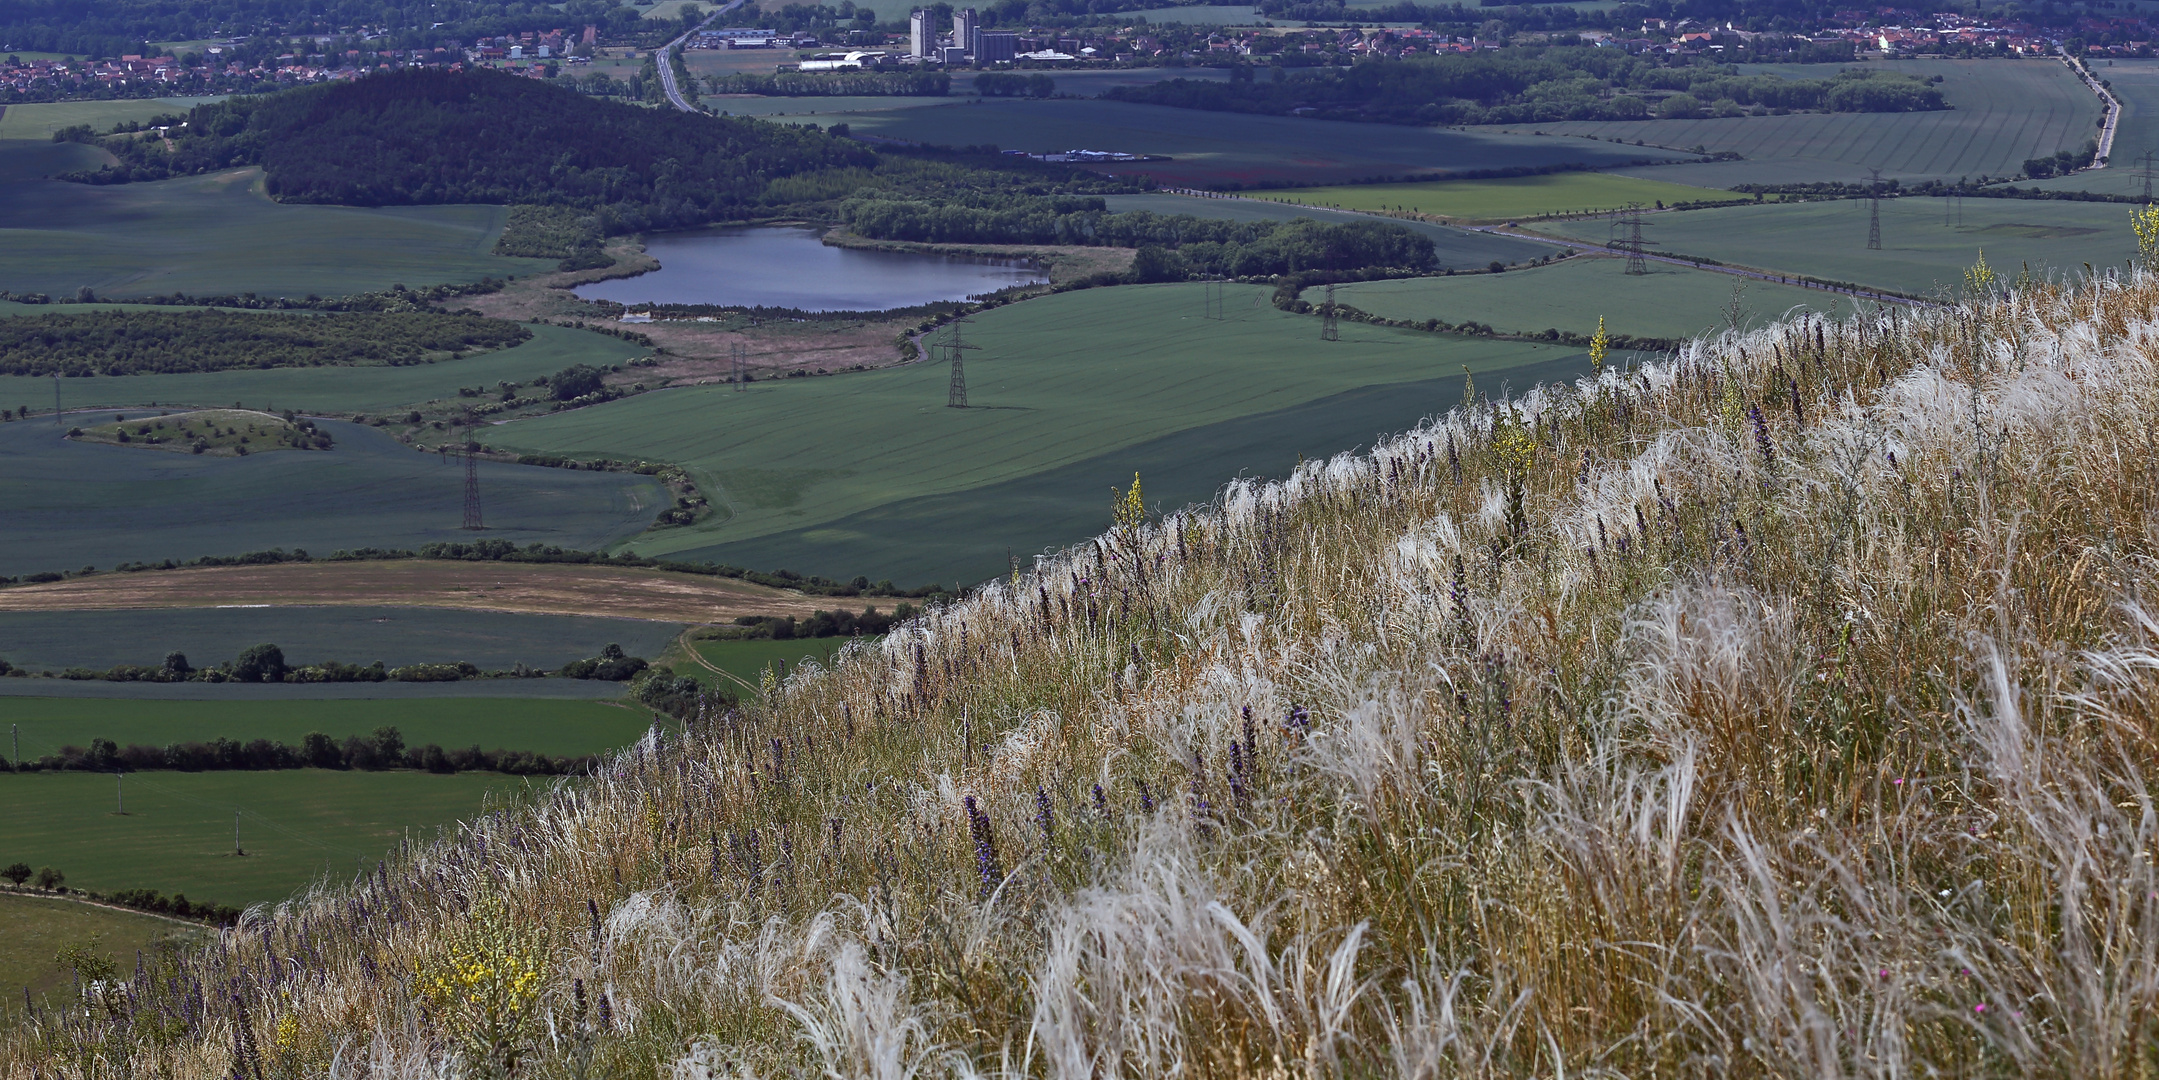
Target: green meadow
{"type": "Point", "coordinates": [546, 727]}
{"type": "Point", "coordinates": [1458, 248]}
{"type": "Point", "coordinates": [220, 233]}
{"type": "Point", "coordinates": [1077, 380]}
{"type": "Point", "coordinates": [1923, 248]}
{"type": "Point", "coordinates": [1570, 295]}
{"type": "Point", "coordinates": [1217, 148]}
{"type": "Point", "coordinates": [40, 926]}
{"type": "Point", "coordinates": [71, 504]}
{"type": "Point", "coordinates": [344, 390]}
{"type": "Point", "coordinates": [2135, 84]}
{"type": "Point", "coordinates": [747, 660]}
{"type": "Point", "coordinates": [1492, 200]}
{"type": "Point", "coordinates": [296, 825]}
{"type": "Point", "coordinates": [37, 122]}
{"type": "Point", "coordinates": [492, 640]}
{"type": "Point", "coordinates": [2004, 111]}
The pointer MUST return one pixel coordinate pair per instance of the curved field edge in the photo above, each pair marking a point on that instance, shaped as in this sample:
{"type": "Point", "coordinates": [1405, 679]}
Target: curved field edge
{"type": "Point", "coordinates": [1058, 380]}
{"type": "Point", "coordinates": [1834, 706]}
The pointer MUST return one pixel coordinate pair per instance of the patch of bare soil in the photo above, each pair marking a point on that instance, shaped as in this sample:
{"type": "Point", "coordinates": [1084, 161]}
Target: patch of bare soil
{"type": "Point", "coordinates": [534, 588]}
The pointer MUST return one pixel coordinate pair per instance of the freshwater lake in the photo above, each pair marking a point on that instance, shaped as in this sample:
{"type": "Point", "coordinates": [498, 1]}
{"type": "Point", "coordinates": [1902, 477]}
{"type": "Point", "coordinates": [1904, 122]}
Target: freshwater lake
{"type": "Point", "coordinates": [785, 266]}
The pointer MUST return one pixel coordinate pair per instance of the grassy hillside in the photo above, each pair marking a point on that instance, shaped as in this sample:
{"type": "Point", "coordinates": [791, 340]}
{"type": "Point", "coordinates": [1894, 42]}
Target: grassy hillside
{"type": "Point", "coordinates": [1759, 714]}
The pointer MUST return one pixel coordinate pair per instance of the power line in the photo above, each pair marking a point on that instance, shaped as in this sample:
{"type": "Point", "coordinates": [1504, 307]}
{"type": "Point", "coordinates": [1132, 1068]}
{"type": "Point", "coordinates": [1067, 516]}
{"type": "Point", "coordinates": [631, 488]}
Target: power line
{"type": "Point", "coordinates": [1874, 212]}
{"type": "Point", "coordinates": [1631, 220]}
{"type": "Point", "coordinates": [472, 486]}
{"type": "Point", "coordinates": [1216, 302]}
{"type": "Point", "coordinates": [1327, 329]}
{"type": "Point", "coordinates": [956, 390]}
{"type": "Point", "coordinates": [738, 364]}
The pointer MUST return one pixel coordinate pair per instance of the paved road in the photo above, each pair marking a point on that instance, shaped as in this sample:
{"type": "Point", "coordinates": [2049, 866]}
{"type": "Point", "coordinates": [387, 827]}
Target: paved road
{"type": "Point", "coordinates": [2106, 98]}
{"type": "Point", "coordinates": [667, 66]}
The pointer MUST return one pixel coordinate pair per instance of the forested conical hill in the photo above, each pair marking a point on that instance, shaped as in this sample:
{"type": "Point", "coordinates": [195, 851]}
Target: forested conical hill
{"type": "Point", "coordinates": [1787, 709]}
{"type": "Point", "coordinates": [434, 136]}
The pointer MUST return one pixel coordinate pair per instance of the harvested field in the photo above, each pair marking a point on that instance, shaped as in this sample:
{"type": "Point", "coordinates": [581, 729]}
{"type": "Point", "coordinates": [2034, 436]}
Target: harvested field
{"type": "Point", "coordinates": [616, 592]}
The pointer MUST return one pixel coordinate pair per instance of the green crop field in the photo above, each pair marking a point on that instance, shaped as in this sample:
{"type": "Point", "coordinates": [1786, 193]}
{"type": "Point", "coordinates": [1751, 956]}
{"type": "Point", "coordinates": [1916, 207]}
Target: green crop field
{"type": "Point", "coordinates": [1919, 251]}
{"type": "Point", "coordinates": [493, 640]}
{"type": "Point", "coordinates": [221, 234]}
{"type": "Point", "coordinates": [1457, 248]}
{"type": "Point", "coordinates": [1669, 301]}
{"type": "Point", "coordinates": [71, 504]}
{"type": "Point", "coordinates": [370, 390]}
{"type": "Point", "coordinates": [38, 122]}
{"type": "Point", "coordinates": [2005, 111]}
{"type": "Point", "coordinates": [542, 726]}
{"type": "Point", "coordinates": [295, 825]}
{"type": "Point", "coordinates": [1215, 148]}
{"type": "Point", "coordinates": [299, 695]}
{"type": "Point", "coordinates": [1077, 380]}
{"type": "Point", "coordinates": [38, 927]}
{"type": "Point", "coordinates": [1494, 200]}
{"type": "Point", "coordinates": [747, 660]}
{"type": "Point", "coordinates": [2136, 84]}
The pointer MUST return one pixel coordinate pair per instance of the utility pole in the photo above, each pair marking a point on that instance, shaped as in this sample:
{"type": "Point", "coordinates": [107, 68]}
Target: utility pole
{"type": "Point", "coordinates": [15, 762]}
{"type": "Point", "coordinates": [956, 391]}
{"type": "Point", "coordinates": [56, 401]}
{"type": "Point", "coordinates": [1216, 302]}
{"type": "Point", "coordinates": [119, 783]}
{"type": "Point", "coordinates": [1327, 329]}
{"type": "Point", "coordinates": [738, 363]}
{"type": "Point", "coordinates": [236, 832]}
{"type": "Point", "coordinates": [1874, 212]}
{"type": "Point", "coordinates": [2148, 177]}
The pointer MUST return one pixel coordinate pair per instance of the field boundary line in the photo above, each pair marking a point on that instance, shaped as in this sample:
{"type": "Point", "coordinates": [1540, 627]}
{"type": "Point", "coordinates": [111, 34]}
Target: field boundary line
{"type": "Point", "coordinates": [2106, 98]}
{"type": "Point", "coordinates": [13, 890]}
{"type": "Point", "coordinates": [698, 658]}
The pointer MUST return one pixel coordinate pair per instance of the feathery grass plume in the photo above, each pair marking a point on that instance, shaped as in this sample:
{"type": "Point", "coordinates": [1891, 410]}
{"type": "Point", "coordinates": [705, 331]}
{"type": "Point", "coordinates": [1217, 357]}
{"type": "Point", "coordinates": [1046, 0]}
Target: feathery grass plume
{"type": "Point", "coordinates": [1646, 767]}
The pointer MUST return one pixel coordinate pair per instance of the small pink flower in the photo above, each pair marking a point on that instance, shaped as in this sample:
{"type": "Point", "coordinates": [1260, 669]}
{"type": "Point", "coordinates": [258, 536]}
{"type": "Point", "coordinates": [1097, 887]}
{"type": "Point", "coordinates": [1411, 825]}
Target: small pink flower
{"type": "Point", "coordinates": [1899, 781]}
{"type": "Point", "coordinates": [1980, 1008]}
{"type": "Point", "coordinates": [1885, 973]}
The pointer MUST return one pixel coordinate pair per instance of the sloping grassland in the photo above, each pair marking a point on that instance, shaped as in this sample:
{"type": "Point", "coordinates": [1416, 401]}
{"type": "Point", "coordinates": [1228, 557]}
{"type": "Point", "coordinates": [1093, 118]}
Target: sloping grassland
{"type": "Point", "coordinates": [1787, 709]}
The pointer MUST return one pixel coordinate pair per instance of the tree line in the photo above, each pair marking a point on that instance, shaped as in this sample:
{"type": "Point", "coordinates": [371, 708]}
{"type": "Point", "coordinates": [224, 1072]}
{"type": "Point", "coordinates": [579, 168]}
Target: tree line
{"type": "Point", "coordinates": [384, 749]}
{"type": "Point", "coordinates": [850, 84]}
{"type": "Point", "coordinates": [554, 232]}
{"type": "Point", "coordinates": [161, 342]}
{"type": "Point", "coordinates": [1532, 85]}
{"type": "Point", "coordinates": [1204, 246]}
{"type": "Point", "coordinates": [267, 664]}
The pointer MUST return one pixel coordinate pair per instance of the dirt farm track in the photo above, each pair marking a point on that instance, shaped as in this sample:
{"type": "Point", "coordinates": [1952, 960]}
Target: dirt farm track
{"type": "Point", "coordinates": [619, 592]}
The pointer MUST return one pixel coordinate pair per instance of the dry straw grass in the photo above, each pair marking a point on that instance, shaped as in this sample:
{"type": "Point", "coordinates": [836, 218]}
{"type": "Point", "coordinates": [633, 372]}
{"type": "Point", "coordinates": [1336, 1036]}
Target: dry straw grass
{"type": "Point", "coordinates": [1786, 709]}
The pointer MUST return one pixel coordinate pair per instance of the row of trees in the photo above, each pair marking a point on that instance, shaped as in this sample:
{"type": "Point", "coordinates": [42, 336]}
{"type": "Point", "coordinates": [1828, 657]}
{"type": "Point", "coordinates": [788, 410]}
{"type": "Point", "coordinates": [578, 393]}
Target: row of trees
{"type": "Point", "coordinates": [384, 749]}
{"type": "Point", "coordinates": [266, 664]}
{"type": "Point", "coordinates": [849, 84]}
{"type": "Point", "coordinates": [1532, 85]}
{"type": "Point", "coordinates": [1206, 246]}
{"type": "Point", "coordinates": [168, 342]}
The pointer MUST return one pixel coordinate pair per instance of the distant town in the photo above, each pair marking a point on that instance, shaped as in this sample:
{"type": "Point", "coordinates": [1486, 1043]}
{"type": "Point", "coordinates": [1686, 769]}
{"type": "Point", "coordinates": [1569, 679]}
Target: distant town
{"type": "Point", "coordinates": [261, 61]}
